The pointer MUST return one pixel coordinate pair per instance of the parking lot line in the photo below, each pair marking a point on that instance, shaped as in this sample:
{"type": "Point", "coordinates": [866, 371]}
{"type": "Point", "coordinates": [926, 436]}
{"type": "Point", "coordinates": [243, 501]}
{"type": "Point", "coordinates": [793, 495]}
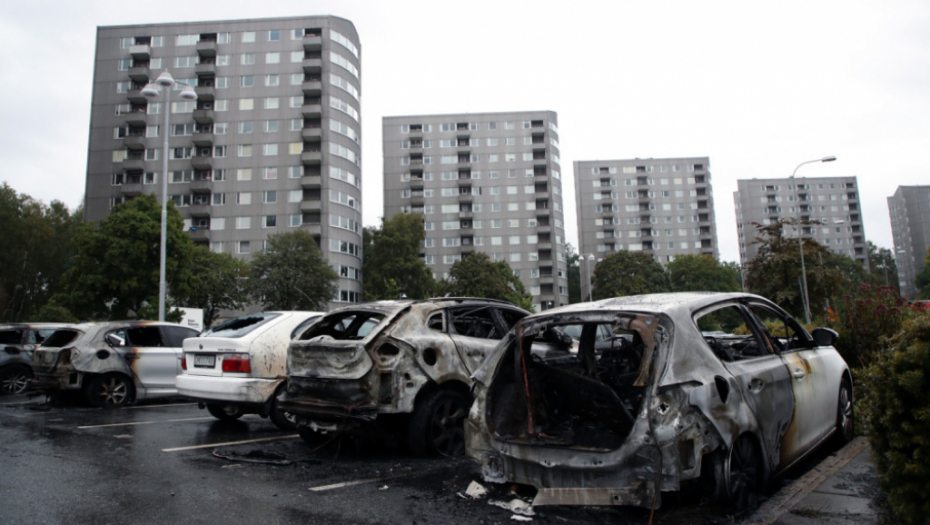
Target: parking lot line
{"type": "Point", "coordinates": [323, 488]}
{"type": "Point", "coordinates": [136, 423]}
{"type": "Point", "coordinates": [159, 406]}
{"type": "Point", "coordinates": [228, 443]}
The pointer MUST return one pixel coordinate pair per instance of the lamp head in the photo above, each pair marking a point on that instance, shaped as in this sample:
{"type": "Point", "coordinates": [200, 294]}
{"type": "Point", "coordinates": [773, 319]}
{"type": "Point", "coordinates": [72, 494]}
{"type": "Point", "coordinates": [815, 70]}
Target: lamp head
{"type": "Point", "coordinates": [188, 93]}
{"type": "Point", "coordinates": [165, 79]}
{"type": "Point", "coordinates": [831, 158]}
{"type": "Point", "coordinates": [150, 91]}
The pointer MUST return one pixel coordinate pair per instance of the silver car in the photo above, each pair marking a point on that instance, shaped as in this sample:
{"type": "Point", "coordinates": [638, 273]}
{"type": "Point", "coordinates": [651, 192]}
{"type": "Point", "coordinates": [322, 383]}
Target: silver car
{"type": "Point", "coordinates": [721, 390]}
{"type": "Point", "coordinates": [17, 343]}
{"type": "Point", "coordinates": [114, 363]}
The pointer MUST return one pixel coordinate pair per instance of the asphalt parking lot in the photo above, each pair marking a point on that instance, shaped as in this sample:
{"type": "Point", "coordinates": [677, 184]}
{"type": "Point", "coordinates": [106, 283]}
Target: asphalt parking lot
{"type": "Point", "coordinates": [169, 462]}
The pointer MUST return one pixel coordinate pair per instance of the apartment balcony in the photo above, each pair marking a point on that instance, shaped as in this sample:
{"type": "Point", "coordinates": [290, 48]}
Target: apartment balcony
{"type": "Point", "coordinates": [134, 142]}
{"type": "Point", "coordinates": [543, 228]}
{"type": "Point", "coordinates": [203, 116]}
{"type": "Point", "coordinates": [313, 88]}
{"type": "Point", "coordinates": [199, 234]}
{"type": "Point", "coordinates": [544, 245]}
{"type": "Point", "coordinates": [203, 139]}
{"type": "Point", "coordinates": [206, 48]}
{"type": "Point", "coordinates": [312, 110]}
{"type": "Point", "coordinates": [201, 186]}
{"type": "Point", "coordinates": [542, 161]}
{"type": "Point", "coordinates": [313, 43]}
{"type": "Point", "coordinates": [417, 200]}
{"type": "Point", "coordinates": [314, 229]}
{"type": "Point", "coordinates": [466, 197]}
{"type": "Point", "coordinates": [313, 65]}
{"type": "Point", "coordinates": [135, 96]}
{"type": "Point", "coordinates": [542, 212]}
{"type": "Point", "coordinates": [137, 118]}
{"type": "Point", "coordinates": [133, 165]}
{"type": "Point", "coordinates": [311, 206]}
{"type": "Point", "coordinates": [547, 279]}
{"type": "Point", "coordinates": [312, 157]}
{"type": "Point", "coordinates": [140, 52]}
{"type": "Point", "coordinates": [205, 92]}
{"type": "Point", "coordinates": [205, 69]}
{"type": "Point", "coordinates": [467, 224]}
{"type": "Point", "coordinates": [139, 73]}
{"type": "Point", "coordinates": [132, 190]}
{"type": "Point", "coordinates": [311, 182]}
{"type": "Point", "coordinates": [312, 134]}
{"type": "Point", "coordinates": [202, 162]}
{"type": "Point", "coordinates": [199, 210]}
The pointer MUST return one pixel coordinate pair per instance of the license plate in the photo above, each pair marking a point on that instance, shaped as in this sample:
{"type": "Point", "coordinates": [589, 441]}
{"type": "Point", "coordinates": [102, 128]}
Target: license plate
{"type": "Point", "coordinates": [205, 361]}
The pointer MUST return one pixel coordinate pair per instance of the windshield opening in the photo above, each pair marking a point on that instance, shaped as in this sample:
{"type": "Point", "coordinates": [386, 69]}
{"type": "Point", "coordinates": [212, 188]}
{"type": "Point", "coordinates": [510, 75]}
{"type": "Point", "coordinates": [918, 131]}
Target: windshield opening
{"type": "Point", "coordinates": [239, 326]}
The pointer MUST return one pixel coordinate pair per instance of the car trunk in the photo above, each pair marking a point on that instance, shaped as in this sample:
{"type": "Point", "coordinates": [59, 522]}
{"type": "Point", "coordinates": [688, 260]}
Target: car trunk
{"type": "Point", "coordinates": [204, 355]}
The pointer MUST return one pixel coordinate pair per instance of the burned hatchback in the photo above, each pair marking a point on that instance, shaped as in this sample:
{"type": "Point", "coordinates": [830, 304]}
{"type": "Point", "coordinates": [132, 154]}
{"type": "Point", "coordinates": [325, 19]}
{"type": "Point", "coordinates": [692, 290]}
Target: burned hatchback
{"type": "Point", "coordinates": [724, 390]}
{"type": "Point", "coordinates": [18, 341]}
{"type": "Point", "coordinates": [409, 362]}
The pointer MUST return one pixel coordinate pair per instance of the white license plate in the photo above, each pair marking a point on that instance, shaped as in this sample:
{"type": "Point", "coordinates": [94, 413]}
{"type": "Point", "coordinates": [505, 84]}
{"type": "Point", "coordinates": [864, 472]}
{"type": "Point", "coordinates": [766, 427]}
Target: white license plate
{"type": "Point", "coordinates": [207, 361]}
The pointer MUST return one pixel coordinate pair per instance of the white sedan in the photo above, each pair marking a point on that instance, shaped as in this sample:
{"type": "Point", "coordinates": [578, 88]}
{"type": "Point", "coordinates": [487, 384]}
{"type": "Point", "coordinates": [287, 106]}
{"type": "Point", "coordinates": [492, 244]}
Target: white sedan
{"type": "Point", "coordinates": [238, 367]}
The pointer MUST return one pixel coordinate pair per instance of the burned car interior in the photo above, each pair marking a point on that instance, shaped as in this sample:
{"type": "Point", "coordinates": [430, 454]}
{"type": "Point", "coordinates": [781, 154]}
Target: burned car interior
{"type": "Point", "coordinates": [354, 325]}
{"type": "Point", "coordinates": [726, 331]}
{"type": "Point", "coordinates": [587, 399]}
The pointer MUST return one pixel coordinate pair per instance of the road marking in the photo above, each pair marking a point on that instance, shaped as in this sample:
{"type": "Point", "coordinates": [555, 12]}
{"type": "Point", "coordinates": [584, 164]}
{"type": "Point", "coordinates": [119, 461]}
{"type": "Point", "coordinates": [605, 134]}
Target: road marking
{"type": "Point", "coordinates": [137, 423]}
{"type": "Point", "coordinates": [228, 443]}
{"type": "Point", "coordinates": [344, 484]}
{"type": "Point", "coordinates": [159, 406]}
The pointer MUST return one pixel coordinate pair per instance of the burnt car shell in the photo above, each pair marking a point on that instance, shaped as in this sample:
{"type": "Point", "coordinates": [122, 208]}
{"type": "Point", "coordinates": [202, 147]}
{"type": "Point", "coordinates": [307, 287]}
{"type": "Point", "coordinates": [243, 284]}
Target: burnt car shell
{"type": "Point", "coordinates": [623, 425]}
{"type": "Point", "coordinates": [18, 342]}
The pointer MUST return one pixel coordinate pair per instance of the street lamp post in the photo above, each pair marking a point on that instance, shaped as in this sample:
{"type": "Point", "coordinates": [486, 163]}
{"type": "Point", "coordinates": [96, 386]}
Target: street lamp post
{"type": "Point", "coordinates": [588, 262]}
{"type": "Point", "coordinates": [807, 305]}
{"type": "Point", "coordinates": [150, 91]}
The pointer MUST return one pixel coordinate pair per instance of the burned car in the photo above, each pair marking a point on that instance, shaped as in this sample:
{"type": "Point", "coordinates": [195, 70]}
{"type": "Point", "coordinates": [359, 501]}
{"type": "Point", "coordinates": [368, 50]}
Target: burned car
{"type": "Point", "coordinates": [237, 367]}
{"type": "Point", "coordinates": [386, 359]}
{"type": "Point", "coordinates": [663, 405]}
{"type": "Point", "coordinates": [113, 363]}
{"type": "Point", "coordinates": [17, 343]}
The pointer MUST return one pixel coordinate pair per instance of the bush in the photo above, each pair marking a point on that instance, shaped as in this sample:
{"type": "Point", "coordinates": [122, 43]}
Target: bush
{"type": "Point", "coordinates": [875, 312]}
{"type": "Point", "coordinates": [895, 411]}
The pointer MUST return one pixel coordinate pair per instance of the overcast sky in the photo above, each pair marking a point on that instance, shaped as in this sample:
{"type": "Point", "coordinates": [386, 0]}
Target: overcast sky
{"type": "Point", "coordinates": [756, 87]}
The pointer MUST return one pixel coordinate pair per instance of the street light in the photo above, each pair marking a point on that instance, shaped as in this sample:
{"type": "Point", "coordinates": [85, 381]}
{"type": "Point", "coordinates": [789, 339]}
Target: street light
{"type": "Point", "coordinates": [807, 304]}
{"type": "Point", "coordinates": [588, 262]}
{"type": "Point", "coordinates": [150, 91]}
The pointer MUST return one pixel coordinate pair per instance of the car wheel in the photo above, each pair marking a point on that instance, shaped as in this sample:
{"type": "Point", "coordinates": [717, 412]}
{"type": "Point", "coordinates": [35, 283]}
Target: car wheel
{"type": "Point", "coordinates": [224, 412]}
{"type": "Point", "coordinates": [109, 391]}
{"type": "Point", "coordinates": [437, 425]}
{"type": "Point", "coordinates": [844, 414]}
{"type": "Point", "coordinates": [280, 418]}
{"type": "Point", "coordinates": [743, 475]}
{"type": "Point", "coordinates": [15, 379]}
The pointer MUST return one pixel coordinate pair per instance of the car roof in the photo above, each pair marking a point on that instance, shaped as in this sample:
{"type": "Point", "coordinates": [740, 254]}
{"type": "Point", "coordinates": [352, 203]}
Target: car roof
{"type": "Point", "coordinates": [17, 326]}
{"type": "Point", "coordinates": [393, 306]}
{"type": "Point", "coordinates": [105, 325]}
{"type": "Point", "coordinates": [666, 303]}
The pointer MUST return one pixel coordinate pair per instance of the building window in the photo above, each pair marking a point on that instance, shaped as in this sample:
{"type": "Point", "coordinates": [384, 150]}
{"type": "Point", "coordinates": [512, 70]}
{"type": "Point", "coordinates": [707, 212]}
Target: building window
{"type": "Point", "coordinates": [248, 36]}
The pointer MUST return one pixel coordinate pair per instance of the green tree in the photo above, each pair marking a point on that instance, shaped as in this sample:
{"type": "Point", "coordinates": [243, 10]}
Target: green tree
{"type": "Point", "coordinates": [212, 282]}
{"type": "Point", "coordinates": [775, 272]}
{"type": "Point", "coordinates": [702, 273]}
{"type": "Point", "coordinates": [116, 270]}
{"type": "Point", "coordinates": [38, 247]}
{"type": "Point", "coordinates": [478, 276]}
{"type": "Point", "coordinates": [291, 274]}
{"type": "Point", "coordinates": [625, 273]}
{"type": "Point", "coordinates": [922, 280]}
{"type": "Point", "coordinates": [573, 260]}
{"type": "Point", "coordinates": [882, 266]}
{"type": "Point", "coordinates": [392, 263]}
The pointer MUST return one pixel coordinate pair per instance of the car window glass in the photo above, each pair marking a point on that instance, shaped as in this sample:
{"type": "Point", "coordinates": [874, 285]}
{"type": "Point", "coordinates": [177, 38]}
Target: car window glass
{"type": "Point", "coordinates": [778, 328]}
{"type": "Point", "coordinates": [727, 333]}
{"type": "Point", "coordinates": [61, 338]}
{"type": "Point", "coordinates": [11, 337]}
{"type": "Point", "coordinates": [144, 336]}
{"type": "Point", "coordinates": [303, 326]}
{"type": "Point", "coordinates": [177, 334]}
{"type": "Point", "coordinates": [475, 322]}
{"type": "Point", "coordinates": [239, 326]}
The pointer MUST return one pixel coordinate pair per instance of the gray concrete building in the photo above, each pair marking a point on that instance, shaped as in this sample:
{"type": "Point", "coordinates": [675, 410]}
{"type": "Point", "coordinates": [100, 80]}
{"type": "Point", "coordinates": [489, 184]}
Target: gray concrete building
{"type": "Point", "coordinates": [662, 207]}
{"type": "Point", "coordinates": [272, 143]}
{"type": "Point", "coordinates": [489, 182]}
{"type": "Point", "coordinates": [909, 208]}
{"type": "Point", "coordinates": [834, 201]}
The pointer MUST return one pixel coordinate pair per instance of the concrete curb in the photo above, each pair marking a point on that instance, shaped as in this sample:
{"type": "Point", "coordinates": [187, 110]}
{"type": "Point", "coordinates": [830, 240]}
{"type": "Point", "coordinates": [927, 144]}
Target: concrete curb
{"type": "Point", "coordinates": [794, 493]}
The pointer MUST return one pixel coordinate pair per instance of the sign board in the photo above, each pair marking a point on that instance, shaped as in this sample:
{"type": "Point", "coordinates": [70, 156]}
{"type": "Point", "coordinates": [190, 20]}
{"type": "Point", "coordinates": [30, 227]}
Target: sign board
{"type": "Point", "coordinates": [192, 318]}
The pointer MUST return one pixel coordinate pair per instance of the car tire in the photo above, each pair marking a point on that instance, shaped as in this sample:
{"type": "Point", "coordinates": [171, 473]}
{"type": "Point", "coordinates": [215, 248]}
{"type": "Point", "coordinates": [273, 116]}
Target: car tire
{"type": "Point", "coordinates": [437, 426]}
{"type": "Point", "coordinates": [280, 418]}
{"type": "Point", "coordinates": [15, 379]}
{"type": "Point", "coordinates": [109, 391]}
{"type": "Point", "coordinates": [742, 476]}
{"type": "Point", "coordinates": [224, 411]}
{"type": "Point", "coordinates": [845, 414]}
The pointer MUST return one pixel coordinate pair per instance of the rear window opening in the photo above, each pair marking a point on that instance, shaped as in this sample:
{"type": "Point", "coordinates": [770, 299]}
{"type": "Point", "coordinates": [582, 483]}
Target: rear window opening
{"type": "Point", "coordinates": [345, 326]}
{"type": "Point", "coordinates": [587, 399]}
{"type": "Point", "coordinates": [239, 326]}
{"type": "Point", "coordinates": [61, 338]}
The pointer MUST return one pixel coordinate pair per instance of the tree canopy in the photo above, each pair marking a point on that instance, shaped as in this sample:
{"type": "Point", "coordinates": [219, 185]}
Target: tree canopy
{"type": "Point", "coordinates": [212, 282]}
{"type": "Point", "coordinates": [922, 280]}
{"type": "Point", "coordinates": [478, 276]}
{"type": "Point", "coordinates": [392, 263]}
{"type": "Point", "coordinates": [574, 262]}
{"type": "Point", "coordinates": [702, 273]}
{"type": "Point", "coordinates": [882, 266]}
{"type": "Point", "coordinates": [291, 274]}
{"type": "Point", "coordinates": [625, 273]}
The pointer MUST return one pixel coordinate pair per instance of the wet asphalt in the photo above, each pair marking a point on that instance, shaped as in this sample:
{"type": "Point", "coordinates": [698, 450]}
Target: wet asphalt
{"type": "Point", "coordinates": [170, 462]}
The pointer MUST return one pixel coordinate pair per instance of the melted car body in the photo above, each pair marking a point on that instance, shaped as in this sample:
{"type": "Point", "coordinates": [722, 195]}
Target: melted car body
{"type": "Point", "coordinates": [723, 389]}
{"type": "Point", "coordinates": [18, 341]}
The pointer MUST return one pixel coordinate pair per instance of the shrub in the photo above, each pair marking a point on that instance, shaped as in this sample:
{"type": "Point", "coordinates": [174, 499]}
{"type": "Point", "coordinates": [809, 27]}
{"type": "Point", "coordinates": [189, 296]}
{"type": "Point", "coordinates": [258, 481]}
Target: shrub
{"type": "Point", "coordinates": [875, 312]}
{"type": "Point", "coordinates": [895, 410]}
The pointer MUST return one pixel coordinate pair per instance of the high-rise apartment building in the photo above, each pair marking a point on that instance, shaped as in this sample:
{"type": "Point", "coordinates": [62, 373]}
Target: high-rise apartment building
{"type": "Point", "coordinates": [909, 208]}
{"type": "Point", "coordinates": [272, 143]}
{"type": "Point", "coordinates": [662, 207]}
{"type": "Point", "coordinates": [489, 182]}
{"type": "Point", "coordinates": [833, 201]}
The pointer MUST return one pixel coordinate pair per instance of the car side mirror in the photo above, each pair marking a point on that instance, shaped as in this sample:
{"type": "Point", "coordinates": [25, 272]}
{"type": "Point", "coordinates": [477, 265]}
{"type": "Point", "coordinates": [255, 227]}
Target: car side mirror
{"type": "Point", "coordinates": [824, 336]}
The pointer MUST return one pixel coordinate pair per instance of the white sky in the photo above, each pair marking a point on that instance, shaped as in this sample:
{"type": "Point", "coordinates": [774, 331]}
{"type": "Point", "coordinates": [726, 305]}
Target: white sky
{"type": "Point", "coordinates": [757, 87]}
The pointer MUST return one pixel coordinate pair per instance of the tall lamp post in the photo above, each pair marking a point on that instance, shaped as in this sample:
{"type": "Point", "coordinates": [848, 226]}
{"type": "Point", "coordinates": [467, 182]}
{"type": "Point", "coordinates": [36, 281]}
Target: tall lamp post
{"type": "Point", "coordinates": [807, 304]}
{"type": "Point", "coordinates": [151, 91]}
